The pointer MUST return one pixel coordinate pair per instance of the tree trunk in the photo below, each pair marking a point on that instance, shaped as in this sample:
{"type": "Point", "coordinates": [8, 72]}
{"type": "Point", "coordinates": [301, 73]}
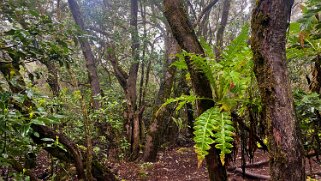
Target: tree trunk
{"type": "Point", "coordinates": [134, 117]}
{"type": "Point", "coordinates": [153, 138]}
{"type": "Point", "coordinates": [207, 9]}
{"type": "Point", "coordinates": [315, 85]}
{"type": "Point", "coordinates": [180, 88]}
{"type": "Point", "coordinates": [133, 114]}
{"type": "Point", "coordinates": [52, 79]}
{"type": "Point", "coordinates": [186, 38]}
{"type": "Point", "coordinates": [269, 24]}
{"type": "Point", "coordinates": [220, 31]}
{"type": "Point", "coordinates": [88, 54]}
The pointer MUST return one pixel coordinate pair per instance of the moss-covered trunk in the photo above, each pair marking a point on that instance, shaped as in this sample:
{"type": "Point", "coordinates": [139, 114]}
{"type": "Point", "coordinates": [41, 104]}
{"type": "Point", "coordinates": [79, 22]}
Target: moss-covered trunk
{"type": "Point", "coordinates": [315, 85]}
{"type": "Point", "coordinates": [270, 21]}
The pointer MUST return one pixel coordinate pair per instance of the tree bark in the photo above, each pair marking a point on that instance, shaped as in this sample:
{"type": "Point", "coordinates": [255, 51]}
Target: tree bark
{"type": "Point", "coordinates": [186, 38]}
{"type": "Point", "coordinates": [52, 79]}
{"type": "Point", "coordinates": [269, 24]}
{"type": "Point", "coordinates": [315, 85]}
{"type": "Point", "coordinates": [88, 54]}
{"type": "Point", "coordinates": [220, 31]}
{"type": "Point", "coordinates": [153, 138]}
{"type": "Point", "coordinates": [128, 81]}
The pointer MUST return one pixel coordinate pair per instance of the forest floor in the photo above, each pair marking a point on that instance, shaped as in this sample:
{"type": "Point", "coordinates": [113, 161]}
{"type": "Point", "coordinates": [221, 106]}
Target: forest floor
{"type": "Point", "coordinates": [177, 164]}
{"type": "Point", "coordinates": [180, 164]}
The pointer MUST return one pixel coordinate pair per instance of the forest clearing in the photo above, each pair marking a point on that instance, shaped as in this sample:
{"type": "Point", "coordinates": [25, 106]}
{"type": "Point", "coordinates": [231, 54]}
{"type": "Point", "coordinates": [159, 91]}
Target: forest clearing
{"type": "Point", "coordinates": [160, 90]}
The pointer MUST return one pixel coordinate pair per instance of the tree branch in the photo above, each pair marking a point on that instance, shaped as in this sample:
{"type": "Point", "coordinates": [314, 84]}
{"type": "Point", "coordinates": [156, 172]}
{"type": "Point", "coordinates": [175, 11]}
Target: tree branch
{"type": "Point", "coordinates": [120, 74]}
{"type": "Point", "coordinates": [204, 11]}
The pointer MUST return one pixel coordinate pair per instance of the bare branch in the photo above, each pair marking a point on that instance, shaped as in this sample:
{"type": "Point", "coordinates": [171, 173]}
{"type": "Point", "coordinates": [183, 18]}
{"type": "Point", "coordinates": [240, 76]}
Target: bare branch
{"type": "Point", "coordinates": [204, 11]}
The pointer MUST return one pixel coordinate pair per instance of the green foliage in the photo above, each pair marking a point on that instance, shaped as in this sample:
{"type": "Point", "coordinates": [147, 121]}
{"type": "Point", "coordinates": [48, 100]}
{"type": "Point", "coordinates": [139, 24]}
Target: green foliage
{"type": "Point", "coordinates": [213, 120]}
{"type": "Point", "coordinates": [231, 81]}
{"type": "Point", "coordinates": [308, 107]}
{"type": "Point", "coordinates": [15, 128]}
{"type": "Point", "coordinates": [181, 101]}
{"type": "Point", "coordinates": [303, 50]}
{"type": "Point", "coordinates": [305, 35]}
{"type": "Point", "coordinates": [238, 49]}
{"type": "Point", "coordinates": [310, 21]}
{"type": "Point", "coordinates": [230, 78]}
{"type": "Point", "coordinates": [30, 36]}
{"type": "Point", "coordinates": [180, 64]}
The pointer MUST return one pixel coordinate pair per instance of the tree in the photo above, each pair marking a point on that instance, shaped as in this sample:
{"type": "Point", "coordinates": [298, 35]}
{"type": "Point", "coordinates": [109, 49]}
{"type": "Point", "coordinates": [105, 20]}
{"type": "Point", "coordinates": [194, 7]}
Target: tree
{"type": "Point", "coordinates": [157, 125]}
{"type": "Point", "coordinates": [134, 116]}
{"type": "Point", "coordinates": [186, 38]}
{"type": "Point", "coordinates": [86, 49]}
{"type": "Point", "coordinates": [269, 24]}
{"type": "Point", "coordinates": [69, 152]}
{"type": "Point", "coordinates": [220, 31]}
{"type": "Point", "coordinates": [46, 47]}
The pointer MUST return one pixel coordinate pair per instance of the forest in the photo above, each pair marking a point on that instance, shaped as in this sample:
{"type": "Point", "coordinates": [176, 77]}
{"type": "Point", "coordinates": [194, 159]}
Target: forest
{"type": "Point", "coordinates": [160, 90]}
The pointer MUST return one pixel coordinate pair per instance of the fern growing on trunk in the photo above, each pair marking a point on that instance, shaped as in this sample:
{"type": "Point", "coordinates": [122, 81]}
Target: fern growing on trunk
{"type": "Point", "coordinates": [213, 120]}
{"type": "Point", "coordinates": [230, 80]}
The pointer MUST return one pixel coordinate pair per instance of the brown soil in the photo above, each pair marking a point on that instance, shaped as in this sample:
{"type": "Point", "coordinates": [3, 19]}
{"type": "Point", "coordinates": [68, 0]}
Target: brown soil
{"type": "Point", "coordinates": [180, 164]}
{"type": "Point", "coordinates": [174, 164]}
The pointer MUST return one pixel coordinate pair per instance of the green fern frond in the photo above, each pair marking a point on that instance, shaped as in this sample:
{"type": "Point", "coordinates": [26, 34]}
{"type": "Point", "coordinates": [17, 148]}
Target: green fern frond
{"type": "Point", "coordinates": [224, 135]}
{"type": "Point", "coordinates": [204, 127]}
{"type": "Point", "coordinates": [180, 64]}
{"type": "Point", "coordinates": [208, 67]}
{"type": "Point", "coordinates": [237, 45]}
{"type": "Point", "coordinates": [182, 100]}
{"type": "Point", "coordinates": [208, 49]}
{"type": "Point", "coordinates": [213, 120]}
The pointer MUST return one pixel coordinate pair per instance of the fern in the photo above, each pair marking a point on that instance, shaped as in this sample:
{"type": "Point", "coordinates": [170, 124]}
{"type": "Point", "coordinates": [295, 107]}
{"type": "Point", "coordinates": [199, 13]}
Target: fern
{"type": "Point", "coordinates": [181, 101]}
{"type": "Point", "coordinates": [230, 80]}
{"type": "Point", "coordinates": [213, 120]}
{"type": "Point", "coordinates": [208, 67]}
{"type": "Point", "coordinates": [223, 137]}
{"type": "Point", "coordinates": [237, 46]}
